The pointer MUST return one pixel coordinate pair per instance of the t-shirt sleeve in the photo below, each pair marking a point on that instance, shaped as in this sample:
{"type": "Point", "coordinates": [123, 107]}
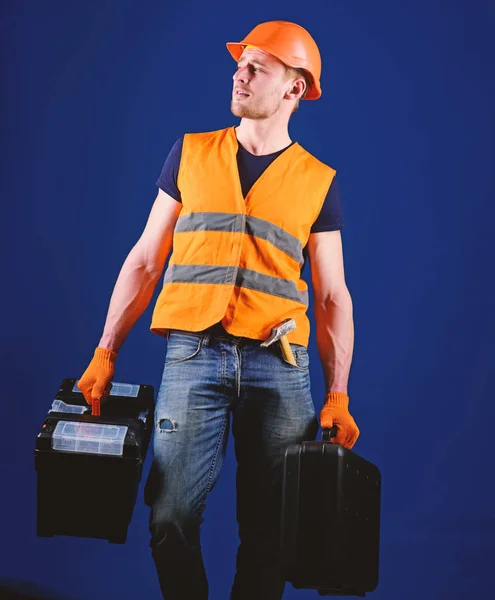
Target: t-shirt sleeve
{"type": "Point", "coordinates": [330, 217]}
{"type": "Point", "coordinates": [167, 181]}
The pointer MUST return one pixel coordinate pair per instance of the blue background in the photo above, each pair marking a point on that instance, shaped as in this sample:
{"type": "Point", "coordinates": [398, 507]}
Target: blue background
{"type": "Point", "coordinates": [94, 95]}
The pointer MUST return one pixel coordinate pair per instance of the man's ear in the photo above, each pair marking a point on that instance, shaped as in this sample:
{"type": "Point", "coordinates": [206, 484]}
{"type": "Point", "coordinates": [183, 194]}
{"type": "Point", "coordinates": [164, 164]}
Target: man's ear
{"type": "Point", "coordinates": [297, 88]}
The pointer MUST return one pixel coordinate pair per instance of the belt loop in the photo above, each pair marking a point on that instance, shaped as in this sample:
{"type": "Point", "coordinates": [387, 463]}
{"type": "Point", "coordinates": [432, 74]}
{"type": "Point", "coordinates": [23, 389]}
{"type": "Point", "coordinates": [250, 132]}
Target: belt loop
{"type": "Point", "coordinates": [206, 339]}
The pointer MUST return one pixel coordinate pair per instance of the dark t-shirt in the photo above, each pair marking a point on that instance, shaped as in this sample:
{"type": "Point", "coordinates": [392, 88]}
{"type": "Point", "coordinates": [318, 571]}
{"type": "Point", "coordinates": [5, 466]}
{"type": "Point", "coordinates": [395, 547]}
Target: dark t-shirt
{"type": "Point", "coordinates": [250, 169]}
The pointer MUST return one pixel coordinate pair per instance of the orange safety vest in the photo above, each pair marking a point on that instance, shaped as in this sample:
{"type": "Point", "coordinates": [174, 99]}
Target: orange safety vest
{"type": "Point", "coordinates": [238, 260]}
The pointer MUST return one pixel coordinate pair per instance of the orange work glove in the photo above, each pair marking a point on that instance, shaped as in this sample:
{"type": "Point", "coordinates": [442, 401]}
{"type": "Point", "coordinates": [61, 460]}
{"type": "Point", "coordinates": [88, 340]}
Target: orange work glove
{"type": "Point", "coordinates": [95, 382]}
{"type": "Point", "coordinates": [335, 412]}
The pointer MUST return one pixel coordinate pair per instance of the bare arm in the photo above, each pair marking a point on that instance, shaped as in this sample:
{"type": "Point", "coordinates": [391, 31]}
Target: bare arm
{"type": "Point", "coordinates": [332, 309]}
{"type": "Point", "coordinates": [141, 272]}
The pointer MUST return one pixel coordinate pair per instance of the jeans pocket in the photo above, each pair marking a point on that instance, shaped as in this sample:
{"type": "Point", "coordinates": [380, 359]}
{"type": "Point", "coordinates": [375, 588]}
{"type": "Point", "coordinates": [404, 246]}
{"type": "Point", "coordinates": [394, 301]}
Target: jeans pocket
{"type": "Point", "coordinates": [301, 357]}
{"type": "Point", "coordinates": [182, 347]}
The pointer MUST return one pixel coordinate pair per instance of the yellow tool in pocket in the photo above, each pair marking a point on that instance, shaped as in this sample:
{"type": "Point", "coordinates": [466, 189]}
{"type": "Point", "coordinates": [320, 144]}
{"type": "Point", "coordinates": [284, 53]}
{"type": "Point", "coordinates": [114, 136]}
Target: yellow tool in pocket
{"type": "Point", "coordinates": [279, 334]}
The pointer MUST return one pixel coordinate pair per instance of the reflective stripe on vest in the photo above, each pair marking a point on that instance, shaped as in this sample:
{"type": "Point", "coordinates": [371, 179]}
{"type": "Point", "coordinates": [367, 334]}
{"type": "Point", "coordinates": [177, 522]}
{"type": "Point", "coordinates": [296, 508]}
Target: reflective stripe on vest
{"type": "Point", "coordinates": [240, 277]}
{"type": "Point", "coordinates": [215, 221]}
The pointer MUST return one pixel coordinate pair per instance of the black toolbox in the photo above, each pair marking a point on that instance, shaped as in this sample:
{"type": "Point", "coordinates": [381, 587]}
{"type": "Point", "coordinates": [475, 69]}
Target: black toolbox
{"type": "Point", "coordinates": [89, 467]}
{"type": "Point", "coordinates": [330, 519]}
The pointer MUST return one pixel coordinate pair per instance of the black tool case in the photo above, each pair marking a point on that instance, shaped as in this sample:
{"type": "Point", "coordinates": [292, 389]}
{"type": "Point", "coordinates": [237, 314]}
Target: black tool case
{"type": "Point", "coordinates": [330, 519]}
{"type": "Point", "coordinates": [89, 467]}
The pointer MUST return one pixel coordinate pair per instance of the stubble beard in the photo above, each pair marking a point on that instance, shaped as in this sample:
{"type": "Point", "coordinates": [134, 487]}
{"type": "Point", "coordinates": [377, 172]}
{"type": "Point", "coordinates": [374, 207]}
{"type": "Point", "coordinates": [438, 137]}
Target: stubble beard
{"type": "Point", "coordinates": [247, 112]}
{"type": "Point", "coordinates": [254, 110]}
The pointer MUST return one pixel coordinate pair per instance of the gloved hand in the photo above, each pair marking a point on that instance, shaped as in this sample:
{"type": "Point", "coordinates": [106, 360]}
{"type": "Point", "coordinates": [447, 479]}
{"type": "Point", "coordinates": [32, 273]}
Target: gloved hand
{"type": "Point", "coordinates": [335, 412]}
{"type": "Point", "coordinates": [95, 382]}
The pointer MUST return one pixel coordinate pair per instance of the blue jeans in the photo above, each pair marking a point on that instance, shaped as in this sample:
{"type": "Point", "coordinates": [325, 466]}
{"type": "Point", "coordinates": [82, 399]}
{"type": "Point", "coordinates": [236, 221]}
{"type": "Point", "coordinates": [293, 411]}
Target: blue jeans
{"type": "Point", "coordinates": [210, 377]}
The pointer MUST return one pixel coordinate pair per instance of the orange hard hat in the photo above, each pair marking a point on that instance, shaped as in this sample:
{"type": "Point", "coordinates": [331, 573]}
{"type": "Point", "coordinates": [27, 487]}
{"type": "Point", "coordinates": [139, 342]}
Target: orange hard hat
{"type": "Point", "coordinates": [291, 44]}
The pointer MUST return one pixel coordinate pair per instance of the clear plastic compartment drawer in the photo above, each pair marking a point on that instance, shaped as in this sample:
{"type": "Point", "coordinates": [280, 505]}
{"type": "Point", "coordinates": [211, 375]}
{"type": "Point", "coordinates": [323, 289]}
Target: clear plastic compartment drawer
{"type": "Point", "coordinates": [60, 406]}
{"type": "Point", "coordinates": [95, 438]}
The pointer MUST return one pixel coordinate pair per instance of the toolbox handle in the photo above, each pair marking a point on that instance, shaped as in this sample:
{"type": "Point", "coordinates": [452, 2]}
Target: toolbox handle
{"type": "Point", "coordinates": [95, 407]}
{"type": "Point", "coordinates": [326, 434]}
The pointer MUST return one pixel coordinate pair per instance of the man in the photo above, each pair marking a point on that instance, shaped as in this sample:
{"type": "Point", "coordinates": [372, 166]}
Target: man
{"type": "Point", "coordinates": [243, 207]}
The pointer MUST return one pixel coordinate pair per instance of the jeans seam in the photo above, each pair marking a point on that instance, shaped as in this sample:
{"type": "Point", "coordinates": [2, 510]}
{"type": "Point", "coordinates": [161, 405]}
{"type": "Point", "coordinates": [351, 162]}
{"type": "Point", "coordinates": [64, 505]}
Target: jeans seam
{"type": "Point", "coordinates": [193, 355]}
{"type": "Point", "coordinates": [213, 464]}
{"type": "Point", "coordinates": [238, 378]}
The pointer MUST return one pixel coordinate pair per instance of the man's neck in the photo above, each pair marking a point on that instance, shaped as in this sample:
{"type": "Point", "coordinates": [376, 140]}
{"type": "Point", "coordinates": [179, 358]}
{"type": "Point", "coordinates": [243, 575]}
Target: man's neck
{"type": "Point", "coordinates": [262, 136]}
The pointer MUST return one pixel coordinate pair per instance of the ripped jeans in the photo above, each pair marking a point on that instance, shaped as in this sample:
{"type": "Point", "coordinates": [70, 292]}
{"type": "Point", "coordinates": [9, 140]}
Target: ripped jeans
{"type": "Point", "coordinates": [209, 379]}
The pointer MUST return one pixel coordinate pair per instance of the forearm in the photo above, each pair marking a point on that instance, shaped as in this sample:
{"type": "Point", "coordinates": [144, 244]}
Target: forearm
{"type": "Point", "coordinates": [335, 340]}
{"type": "Point", "coordinates": [131, 295]}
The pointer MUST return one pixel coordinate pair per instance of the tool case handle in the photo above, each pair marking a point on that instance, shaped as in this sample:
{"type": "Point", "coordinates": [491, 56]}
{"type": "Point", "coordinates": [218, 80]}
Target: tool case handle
{"type": "Point", "coordinates": [326, 434]}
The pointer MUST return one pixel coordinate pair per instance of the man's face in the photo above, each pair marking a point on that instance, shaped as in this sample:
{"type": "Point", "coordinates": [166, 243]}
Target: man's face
{"type": "Point", "coordinates": [259, 85]}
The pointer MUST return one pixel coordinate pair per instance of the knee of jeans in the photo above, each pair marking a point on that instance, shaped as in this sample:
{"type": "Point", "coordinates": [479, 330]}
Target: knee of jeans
{"type": "Point", "coordinates": [295, 431]}
{"type": "Point", "coordinates": [173, 523]}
